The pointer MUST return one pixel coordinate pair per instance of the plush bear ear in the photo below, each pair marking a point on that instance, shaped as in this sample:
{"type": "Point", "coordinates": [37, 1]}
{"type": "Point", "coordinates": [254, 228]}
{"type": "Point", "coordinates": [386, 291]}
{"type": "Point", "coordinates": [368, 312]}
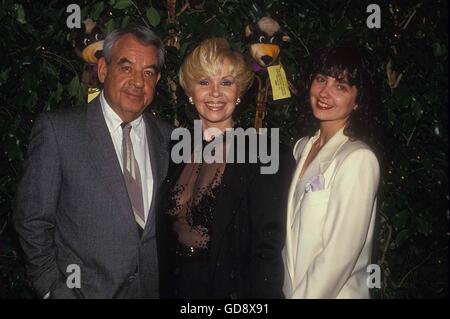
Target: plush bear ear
{"type": "Point", "coordinates": [249, 30]}
{"type": "Point", "coordinates": [286, 38]}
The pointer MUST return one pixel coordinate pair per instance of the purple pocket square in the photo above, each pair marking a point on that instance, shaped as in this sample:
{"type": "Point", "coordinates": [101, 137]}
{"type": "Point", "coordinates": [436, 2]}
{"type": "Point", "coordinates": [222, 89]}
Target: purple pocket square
{"type": "Point", "coordinates": [316, 183]}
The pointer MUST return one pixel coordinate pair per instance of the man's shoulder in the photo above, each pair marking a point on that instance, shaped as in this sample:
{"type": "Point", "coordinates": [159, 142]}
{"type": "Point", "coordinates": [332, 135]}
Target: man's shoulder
{"type": "Point", "coordinates": [162, 125]}
{"type": "Point", "coordinates": [64, 114]}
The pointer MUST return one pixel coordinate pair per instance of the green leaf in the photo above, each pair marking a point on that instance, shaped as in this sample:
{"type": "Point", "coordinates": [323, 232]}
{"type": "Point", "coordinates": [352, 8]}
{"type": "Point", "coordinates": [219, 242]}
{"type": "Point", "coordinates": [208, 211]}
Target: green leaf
{"type": "Point", "coordinates": [4, 75]}
{"type": "Point", "coordinates": [82, 94]}
{"type": "Point", "coordinates": [183, 48]}
{"type": "Point", "coordinates": [58, 93]}
{"type": "Point", "coordinates": [339, 29]}
{"type": "Point", "coordinates": [31, 100]}
{"type": "Point", "coordinates": [122, 4]}
{"type": "Point", "coordinates": [153, 16]}
{"type": "Point", "coordinates": [74, 86]}
{"type": "Point", "coordinates": [439, 50]}
{"type": "Point", "coordinates": [402, 237]}
{"type": "Point", "coordinates": [110, 26]}
{"type": "Point", "coordinates": [399, 220]}
{"type": "Point", "coordinates": [422, 225]}
{"type": "Point", "coordinates": [125, 21]}
{"type": "Point", "coordinates": [20, 14]}
{"type": "Point", "coordinates": [97, 11]}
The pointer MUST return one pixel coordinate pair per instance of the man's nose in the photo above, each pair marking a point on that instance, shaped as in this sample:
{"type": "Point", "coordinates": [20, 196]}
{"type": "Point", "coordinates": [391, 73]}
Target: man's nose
{"type": "Point", "coordinates": [138, 79]}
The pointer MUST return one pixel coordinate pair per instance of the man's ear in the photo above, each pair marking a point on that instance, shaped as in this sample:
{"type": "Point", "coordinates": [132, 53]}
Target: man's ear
{"type": "Point", "coordinates": [102, 69]}
{"type": "Point", "coordinates": [159, 76]}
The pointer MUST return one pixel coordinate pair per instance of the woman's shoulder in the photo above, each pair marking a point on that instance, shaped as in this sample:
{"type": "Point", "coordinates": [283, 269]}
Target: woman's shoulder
{"type": "Point", "coordinates": [356, 150]}
{"type": "Point", "coordinates": [355, 145]}
{"type": "Point", "coordinates": [299, 146]}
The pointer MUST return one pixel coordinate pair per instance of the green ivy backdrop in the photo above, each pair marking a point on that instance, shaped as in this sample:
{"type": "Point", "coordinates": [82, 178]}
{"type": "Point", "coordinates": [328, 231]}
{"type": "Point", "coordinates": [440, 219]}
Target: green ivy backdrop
{"type": "Point", "coordinates": [40, 71]}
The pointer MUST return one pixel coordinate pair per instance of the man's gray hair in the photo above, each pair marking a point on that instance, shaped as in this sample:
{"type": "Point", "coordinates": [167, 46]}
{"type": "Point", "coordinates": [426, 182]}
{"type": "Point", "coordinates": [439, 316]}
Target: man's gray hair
{"type": "Point", "coordinates": [143, 34]}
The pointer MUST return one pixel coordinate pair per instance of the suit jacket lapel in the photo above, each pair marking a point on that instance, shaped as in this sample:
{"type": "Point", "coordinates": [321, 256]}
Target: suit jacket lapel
{"type": "Point", "coordinates": [105, 160]}
{"type": "Point", "coordinates": [159, 162]}
{"type": "Point", "coordinates": [291, 246]}
{"type": "Point", "coordinates": [329, 151]}
{"type": "Point", "coordinates": [300, 155]}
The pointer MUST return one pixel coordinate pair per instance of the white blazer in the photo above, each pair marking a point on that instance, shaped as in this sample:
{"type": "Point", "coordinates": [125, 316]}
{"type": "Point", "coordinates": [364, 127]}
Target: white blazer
{"type": "Point", "coordinates": [329, 232]}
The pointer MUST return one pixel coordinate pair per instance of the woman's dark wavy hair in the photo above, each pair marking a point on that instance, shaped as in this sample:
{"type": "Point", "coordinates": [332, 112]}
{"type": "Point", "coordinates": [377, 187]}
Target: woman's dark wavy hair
{"type": "Point", "coordinates": [339, 62]}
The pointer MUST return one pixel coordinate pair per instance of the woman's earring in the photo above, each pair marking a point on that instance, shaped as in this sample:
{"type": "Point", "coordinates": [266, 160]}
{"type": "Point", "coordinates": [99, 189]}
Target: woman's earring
{"type": "Point", "coordinates": [355, 107]}
{"type": "Point", "coordinates": [238, 101]}
{"type": "Point", "coordinates": [191, 100]}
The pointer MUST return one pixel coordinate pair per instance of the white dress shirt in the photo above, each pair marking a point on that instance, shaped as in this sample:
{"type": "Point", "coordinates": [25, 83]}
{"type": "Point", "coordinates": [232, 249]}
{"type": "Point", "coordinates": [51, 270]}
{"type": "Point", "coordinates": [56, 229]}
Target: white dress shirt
{"type": "Point", "coordinates": [138, 137]}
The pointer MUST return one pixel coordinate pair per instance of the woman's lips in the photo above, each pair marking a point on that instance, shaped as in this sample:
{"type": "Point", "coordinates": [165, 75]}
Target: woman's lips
{"type": "Point", "coordinates": [215, 106]}
{"type": "Point", "coordinates": [323, 106]}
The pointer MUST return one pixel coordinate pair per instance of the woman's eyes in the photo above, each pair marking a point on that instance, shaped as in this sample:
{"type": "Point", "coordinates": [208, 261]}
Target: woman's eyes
{"type": "Point", "coordinates": [223, 82]}
{"type": "Point", "coordinates": [227, 82]}
{"type": "Point", "coordinates": [341, 87]}
{"type": "Point", "coordinates": [320, 78]}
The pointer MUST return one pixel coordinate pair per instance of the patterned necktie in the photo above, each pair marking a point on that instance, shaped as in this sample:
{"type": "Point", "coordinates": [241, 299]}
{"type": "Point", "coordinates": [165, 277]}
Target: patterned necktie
{"type": "Point", "coordinates": [132, 177]}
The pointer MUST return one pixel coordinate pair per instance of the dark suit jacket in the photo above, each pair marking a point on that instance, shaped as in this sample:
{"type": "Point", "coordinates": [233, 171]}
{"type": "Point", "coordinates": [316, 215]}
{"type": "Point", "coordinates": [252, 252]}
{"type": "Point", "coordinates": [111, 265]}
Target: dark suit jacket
{"type": "Point", "coordinates": [247, 235]}
{"type": "Point", "coordinates": [72, 207]}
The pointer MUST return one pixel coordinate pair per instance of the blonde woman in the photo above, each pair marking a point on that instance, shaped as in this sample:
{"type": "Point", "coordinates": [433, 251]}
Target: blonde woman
{"type": "Point", "coordinates": [221, 224]}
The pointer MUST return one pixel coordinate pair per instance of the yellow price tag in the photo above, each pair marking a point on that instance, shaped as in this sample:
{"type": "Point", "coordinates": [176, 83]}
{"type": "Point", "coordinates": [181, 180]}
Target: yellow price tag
{"type": "Point", "coordinates": [92, 94]}
{"type": "Point", "coordinates": [278, 80]}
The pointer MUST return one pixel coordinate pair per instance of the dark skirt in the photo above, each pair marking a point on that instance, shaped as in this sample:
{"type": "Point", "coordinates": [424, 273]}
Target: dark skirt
{"type": "Point", "coordinates": [192, 278]}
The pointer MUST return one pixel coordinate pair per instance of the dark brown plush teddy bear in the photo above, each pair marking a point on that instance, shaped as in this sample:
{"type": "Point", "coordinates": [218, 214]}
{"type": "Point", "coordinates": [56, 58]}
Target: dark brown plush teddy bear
{"type": "Point", "coordinates": [89, 47]}
{"type": "Point", "coordinates": [265, 40]}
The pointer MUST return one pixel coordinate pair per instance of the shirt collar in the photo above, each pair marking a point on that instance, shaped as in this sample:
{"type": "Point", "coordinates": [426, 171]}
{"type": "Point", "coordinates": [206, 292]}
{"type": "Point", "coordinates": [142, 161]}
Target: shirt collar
{"type": "Point", "coordinates": [113, 120]}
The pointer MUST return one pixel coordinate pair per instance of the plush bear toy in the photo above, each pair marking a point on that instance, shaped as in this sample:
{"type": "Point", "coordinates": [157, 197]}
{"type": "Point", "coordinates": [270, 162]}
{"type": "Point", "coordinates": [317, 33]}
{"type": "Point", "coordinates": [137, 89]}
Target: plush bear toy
{"type": "Point", "coordinates": [265, 40]}
{"type": "Point", "coordinates": [89, 47]}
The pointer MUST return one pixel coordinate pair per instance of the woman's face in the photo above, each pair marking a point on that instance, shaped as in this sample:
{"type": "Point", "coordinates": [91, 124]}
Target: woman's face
{"type": "Point", "coordinates": [332, 100]}
{"type": "Point", "coordinates": [215, 98]}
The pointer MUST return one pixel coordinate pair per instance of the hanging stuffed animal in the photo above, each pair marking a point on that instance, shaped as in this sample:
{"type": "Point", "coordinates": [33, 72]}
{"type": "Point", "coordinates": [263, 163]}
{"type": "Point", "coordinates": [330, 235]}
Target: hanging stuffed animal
{"type": "Point", "coordinates": [265, 40]}
{"type": "Point", "coordinates": [89, 47]}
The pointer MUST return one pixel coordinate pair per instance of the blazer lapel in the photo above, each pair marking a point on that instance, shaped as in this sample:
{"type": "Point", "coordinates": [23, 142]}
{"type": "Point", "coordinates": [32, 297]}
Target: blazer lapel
{"type": "Point", "coordinates": [329, 151]}
{"type": "Point", "coordinates": [301, 151]}
{"type": "Point", "coordinates": [105, 160]}
{"type": "Point", "coordinates": [291, 246]}
{"type": "Point", "coordinates": [159, 162]}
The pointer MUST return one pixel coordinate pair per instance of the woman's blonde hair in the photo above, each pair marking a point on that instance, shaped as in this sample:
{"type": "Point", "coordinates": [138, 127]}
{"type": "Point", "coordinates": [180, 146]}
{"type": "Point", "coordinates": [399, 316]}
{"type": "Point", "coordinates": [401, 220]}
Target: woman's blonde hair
{"type": "Point", "coordinates": [207, 60]}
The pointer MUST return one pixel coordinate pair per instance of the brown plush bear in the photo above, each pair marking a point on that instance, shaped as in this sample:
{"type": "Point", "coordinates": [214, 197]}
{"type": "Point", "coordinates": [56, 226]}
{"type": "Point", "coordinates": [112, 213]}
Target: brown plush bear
{"type": "Point", "coordinates": [89, 47]}
{"type": "Point", "coordinates": [265, 40]}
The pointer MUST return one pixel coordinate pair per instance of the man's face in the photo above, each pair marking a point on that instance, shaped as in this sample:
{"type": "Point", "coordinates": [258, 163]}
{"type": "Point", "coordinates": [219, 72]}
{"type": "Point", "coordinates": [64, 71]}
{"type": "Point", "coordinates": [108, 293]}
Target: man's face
{"type": "Point", "coordinates": [130, 79]}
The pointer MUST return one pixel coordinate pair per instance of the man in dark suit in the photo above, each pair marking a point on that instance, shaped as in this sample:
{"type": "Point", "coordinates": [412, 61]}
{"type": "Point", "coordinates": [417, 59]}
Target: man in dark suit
{"type": "Point", "coordinates": [85, 209]}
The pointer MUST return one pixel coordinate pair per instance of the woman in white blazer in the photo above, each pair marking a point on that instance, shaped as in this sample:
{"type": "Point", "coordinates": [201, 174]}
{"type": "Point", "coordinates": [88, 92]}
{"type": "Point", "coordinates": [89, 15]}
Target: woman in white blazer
{"type": "Point", "coordinates": [332, 197]}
